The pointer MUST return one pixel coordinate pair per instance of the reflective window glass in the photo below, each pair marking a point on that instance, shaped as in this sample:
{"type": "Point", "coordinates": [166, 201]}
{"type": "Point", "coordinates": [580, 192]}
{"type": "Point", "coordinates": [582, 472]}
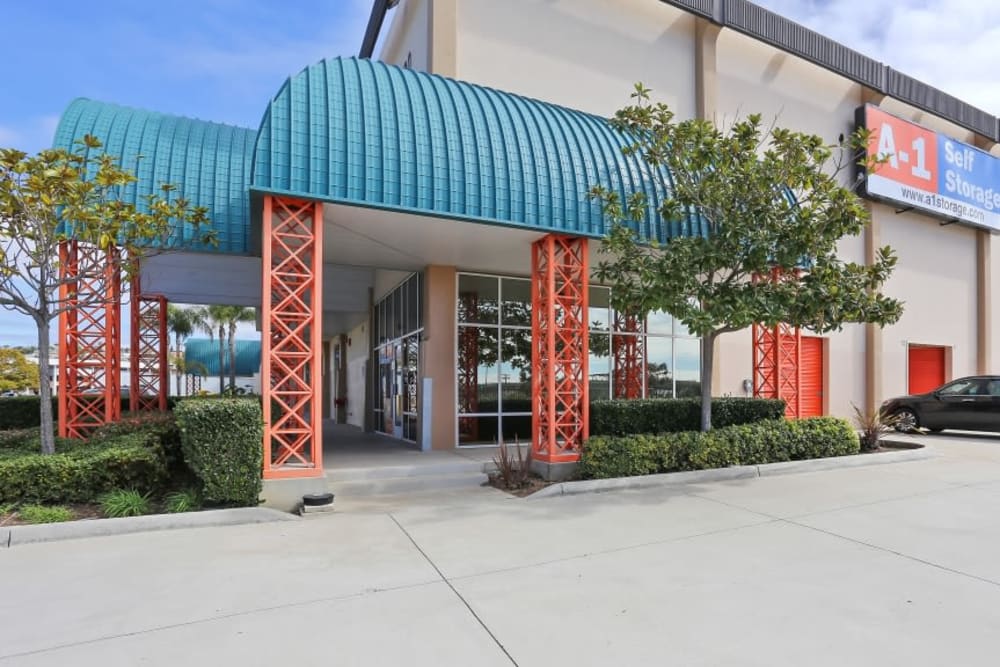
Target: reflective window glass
{"type": "Point", "coordinates": [477, 299]}
{"type": "Point", "coordinates": [516, 302]}
{"type": "Point", "coordinates": [659, 367]}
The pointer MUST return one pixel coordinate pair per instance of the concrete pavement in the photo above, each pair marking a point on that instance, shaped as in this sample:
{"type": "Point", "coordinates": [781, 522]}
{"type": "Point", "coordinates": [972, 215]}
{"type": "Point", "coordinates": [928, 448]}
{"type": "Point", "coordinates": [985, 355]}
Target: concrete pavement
{"type": "Point", "coordinates": [896, 564]}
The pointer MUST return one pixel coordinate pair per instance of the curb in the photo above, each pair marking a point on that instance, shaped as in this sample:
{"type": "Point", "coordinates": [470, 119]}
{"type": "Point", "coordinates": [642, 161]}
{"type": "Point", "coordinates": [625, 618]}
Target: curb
{"type": "Point", "coordinates": [17, 535]}
{"type": "Point", "coordinates": [735, 472]}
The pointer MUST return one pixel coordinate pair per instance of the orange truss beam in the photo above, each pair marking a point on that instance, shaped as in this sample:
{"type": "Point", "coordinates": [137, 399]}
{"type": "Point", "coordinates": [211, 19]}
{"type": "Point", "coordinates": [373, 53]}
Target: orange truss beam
{"type": "Point", "coordinates": [89, 339]}
{"type": "Point", "coordinates": [560, 404]}
{"type": "Point", "coordinates": [629, 356]}
{"type": "Point", "coordinates": [777, 370]}
{"type": "Point", "coordinates": [292, 338]}
{"type": "Point", "coordinates": [149, 377]}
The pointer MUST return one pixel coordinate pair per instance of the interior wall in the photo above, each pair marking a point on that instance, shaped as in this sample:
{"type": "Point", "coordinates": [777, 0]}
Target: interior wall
{"type": "Point", "coordinates": [357, 363]}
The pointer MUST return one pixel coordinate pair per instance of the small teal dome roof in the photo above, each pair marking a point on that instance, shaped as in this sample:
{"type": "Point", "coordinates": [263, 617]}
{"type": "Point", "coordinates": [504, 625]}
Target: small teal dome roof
{"type": "Point", "coordinates": [208, 162]}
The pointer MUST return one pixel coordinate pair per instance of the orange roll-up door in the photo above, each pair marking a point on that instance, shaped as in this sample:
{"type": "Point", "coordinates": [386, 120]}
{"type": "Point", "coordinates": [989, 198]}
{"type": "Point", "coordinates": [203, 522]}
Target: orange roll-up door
{"type": "Point", "coordinates": [811, 377]}
{"type": "Point", "coordinates": [926, 369]}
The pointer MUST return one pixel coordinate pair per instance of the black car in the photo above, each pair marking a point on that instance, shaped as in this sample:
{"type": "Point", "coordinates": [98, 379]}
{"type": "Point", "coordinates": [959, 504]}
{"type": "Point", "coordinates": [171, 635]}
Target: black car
{"type": "Point", "coordinates": [966, 404]}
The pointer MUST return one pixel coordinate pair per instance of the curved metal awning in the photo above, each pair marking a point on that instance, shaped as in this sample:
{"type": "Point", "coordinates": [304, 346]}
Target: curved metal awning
{"type": "Point", "coordinates": [365, 133]}
{"type": "Point", "coordinates": [208, 162]}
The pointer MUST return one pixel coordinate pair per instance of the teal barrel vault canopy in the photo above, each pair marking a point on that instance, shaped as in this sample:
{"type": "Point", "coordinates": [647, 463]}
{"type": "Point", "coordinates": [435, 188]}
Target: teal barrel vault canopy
{"type": "Point", "coordinates": [366, 133]}
{"type": "Point", "coordinates": [201, 357]}
{"type": "Point", "coordinates": [208, 162]}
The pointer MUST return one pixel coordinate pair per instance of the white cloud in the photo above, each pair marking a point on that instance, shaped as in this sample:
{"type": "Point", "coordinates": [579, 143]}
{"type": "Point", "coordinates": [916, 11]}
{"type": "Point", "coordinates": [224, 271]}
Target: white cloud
{"type": "Point", "coordinates": [31, 135]}
{"type": "Point", "coordinates": [8, 136]}
{"type": "Point", "coordinates": [953, 45]}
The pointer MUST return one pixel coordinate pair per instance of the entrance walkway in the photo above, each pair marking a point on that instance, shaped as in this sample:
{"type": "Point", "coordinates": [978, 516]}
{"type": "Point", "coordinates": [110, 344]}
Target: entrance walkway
{"type": "Point", "coordinates": [372, 471]}
{"type": "Point", "coordinates": [348, 447]}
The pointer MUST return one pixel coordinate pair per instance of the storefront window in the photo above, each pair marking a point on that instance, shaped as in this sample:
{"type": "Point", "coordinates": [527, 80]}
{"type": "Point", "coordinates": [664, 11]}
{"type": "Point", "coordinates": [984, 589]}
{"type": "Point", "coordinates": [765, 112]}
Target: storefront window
{"type": "Point", "coordinates": [397, 321]}
{"type": "Point", "coordinates": [494, 356]}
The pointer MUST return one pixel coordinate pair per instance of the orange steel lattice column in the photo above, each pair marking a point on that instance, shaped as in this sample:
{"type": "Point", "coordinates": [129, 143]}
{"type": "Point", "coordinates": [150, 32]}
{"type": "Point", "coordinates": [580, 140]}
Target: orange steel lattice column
{"type": "Point", "coordinates": [629, 356]}
{"type": "Point", "coordinates": [776, 368]}
{"type": "Point", "coordinates": [468, 366]}
{"type": "Point", "coordinates": [89, 339]}
{"type": "Point", "coordinates": [292, 339]}
{"type": "Point", "coordinates": [148, 352]}
{"type": "Point", "coordinates": [560, 405]}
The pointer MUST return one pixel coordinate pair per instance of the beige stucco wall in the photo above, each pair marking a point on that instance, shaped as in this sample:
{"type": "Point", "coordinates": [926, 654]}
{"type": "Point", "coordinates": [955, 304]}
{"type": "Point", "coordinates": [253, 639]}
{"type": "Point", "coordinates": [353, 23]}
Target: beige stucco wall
{"type": "Point", "coordinates": [437, 354]}
{"type": "Point", "coordinates": [408, 35]}
{"type": "Point", "coordinates": [936, 277]}
{"type": "Point", "coordinates": [585, 54]}
{"type": "Point", "coordinates": [994, 243]}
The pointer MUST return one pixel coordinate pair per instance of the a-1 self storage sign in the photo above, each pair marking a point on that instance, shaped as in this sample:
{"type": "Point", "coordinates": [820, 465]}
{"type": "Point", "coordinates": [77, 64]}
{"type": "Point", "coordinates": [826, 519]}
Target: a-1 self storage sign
{"type": "Point", "coordinates": [926, 170]}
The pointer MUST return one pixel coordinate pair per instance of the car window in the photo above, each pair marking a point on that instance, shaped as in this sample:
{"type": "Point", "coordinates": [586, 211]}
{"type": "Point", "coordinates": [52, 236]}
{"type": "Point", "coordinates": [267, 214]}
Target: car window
{"type": "Point", "coordinates": [993, 388]}
{"type": "Point", "coordinates": [961, 388]}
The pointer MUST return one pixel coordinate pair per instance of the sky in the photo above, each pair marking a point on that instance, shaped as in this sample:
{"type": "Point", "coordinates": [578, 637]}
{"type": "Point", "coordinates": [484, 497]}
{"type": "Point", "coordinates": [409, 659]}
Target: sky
{"type": "Point", "coordinates": [221, 60]}
{"type": "Point", "coordinates": [218, 60]}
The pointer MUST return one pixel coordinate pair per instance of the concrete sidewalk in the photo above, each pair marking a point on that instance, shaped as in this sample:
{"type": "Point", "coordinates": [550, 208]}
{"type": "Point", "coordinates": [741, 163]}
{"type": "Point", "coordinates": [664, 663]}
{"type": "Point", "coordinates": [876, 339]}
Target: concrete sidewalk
{"type": "Point", "coordinates": [888, 565]}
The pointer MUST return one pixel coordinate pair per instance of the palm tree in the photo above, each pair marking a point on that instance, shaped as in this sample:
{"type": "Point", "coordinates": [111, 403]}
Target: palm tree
{"type": "Point", "coordinates": [182, 322]}
{"type": "Point", "coordinates": [226, 319]}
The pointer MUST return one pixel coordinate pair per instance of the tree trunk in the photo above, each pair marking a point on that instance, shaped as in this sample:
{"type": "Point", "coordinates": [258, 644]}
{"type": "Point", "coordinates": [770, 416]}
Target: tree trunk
{"type": "Point", "coordinates": [45, 390]}
{"type": "Point", "coordinates": [178, 375]}
{"type": "Point", "coordinates": [232, 356]}
{"type": "Point", "coordinates": [222, 362]}
{"type": "Point", "coordinates": [707, 365]}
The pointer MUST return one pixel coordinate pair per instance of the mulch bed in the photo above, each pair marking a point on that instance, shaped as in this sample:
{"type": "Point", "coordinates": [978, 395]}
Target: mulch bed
{"type": "Point", "coordinates": [533, 484]}
{"type": "Point", "coordinates": [80, 513]}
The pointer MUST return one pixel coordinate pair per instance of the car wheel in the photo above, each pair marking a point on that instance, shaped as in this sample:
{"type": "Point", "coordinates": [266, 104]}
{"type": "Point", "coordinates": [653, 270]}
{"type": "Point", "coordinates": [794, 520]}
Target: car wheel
{"type": "Point", "coordinates": [906, 421]}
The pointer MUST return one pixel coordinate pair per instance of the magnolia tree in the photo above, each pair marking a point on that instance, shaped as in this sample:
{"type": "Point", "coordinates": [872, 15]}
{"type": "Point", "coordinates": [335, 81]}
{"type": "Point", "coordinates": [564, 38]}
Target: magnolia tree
{"type": "Point", "coordinates": [58, 195]}
{"type": "Point", "coordinates": [774, 205]}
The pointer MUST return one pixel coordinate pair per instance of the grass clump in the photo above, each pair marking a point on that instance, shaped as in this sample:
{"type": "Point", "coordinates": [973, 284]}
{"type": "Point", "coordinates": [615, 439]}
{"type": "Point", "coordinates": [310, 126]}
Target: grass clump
{"type": "Point", "coordinates": [125, 502]}
{"type": "Point", "coordinates": [44, 514]}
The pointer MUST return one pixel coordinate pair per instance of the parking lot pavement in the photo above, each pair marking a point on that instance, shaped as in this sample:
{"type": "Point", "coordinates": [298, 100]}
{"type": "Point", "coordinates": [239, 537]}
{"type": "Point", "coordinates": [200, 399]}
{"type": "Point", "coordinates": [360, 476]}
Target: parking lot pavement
{"type": "Point", "coordinates": [890, 565]}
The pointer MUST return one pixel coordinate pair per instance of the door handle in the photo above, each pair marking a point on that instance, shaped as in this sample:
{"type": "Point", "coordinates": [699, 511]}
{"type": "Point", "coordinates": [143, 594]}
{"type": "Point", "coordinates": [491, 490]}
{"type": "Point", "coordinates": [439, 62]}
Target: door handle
{"type": "Point", "coordinates": [968, 400]}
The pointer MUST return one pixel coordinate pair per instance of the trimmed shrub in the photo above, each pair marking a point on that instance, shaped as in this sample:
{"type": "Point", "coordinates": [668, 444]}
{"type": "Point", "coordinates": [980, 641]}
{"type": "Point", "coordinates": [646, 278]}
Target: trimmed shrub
{"type": "Point", "coordinates": [18, 412]}
{"type": "Point", "coordinates": [82, 472]}
{"type": "Point", "coordinates": [674, 415]}
{"type": "Point", "coordinates": [761, 442]}
{"type": "Point", "coordinates": [221, 440]}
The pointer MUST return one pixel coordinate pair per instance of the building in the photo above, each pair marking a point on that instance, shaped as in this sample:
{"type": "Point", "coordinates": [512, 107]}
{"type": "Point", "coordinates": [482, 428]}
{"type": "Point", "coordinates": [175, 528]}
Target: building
{"type": "Point", "coordinates": [405, 223]}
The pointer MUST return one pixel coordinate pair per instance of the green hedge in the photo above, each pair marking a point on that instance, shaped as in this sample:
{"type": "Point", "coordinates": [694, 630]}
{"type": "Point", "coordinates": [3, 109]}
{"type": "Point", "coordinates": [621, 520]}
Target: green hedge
{"type": "Point", "coordinates": [221, 440]}
{"type": "Point", "coordinates": [18, 412]}
{"type": "Point", "coordinates": [80, 473]}
{"type": "Point", "coordinates": [747, 444]}
{"type": "Point", "coordinates": [674, 415]}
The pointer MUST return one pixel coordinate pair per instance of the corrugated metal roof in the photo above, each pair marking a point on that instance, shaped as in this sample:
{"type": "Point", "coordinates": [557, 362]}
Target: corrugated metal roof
{"type": "Point", "coordinates": [363, 132]}
{"type": "Point", "coordinates": [208, 162]}
{"type": "Point", "coordinates": [206, 352]}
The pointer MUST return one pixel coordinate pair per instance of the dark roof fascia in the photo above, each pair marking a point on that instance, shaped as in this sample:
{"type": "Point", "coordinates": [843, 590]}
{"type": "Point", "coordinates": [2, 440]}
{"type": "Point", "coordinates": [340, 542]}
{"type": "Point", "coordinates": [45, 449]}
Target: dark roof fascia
{"type": "Point", "coordinates": [783, 33]}
{"type": "Point", "coordinates": [375, 20]}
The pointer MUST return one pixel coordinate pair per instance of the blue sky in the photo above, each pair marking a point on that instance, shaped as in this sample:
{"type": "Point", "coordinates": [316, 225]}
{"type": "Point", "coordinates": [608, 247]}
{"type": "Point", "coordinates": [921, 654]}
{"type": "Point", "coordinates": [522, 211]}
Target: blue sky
{"type": "Point", "coordinates": [219, 60]}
